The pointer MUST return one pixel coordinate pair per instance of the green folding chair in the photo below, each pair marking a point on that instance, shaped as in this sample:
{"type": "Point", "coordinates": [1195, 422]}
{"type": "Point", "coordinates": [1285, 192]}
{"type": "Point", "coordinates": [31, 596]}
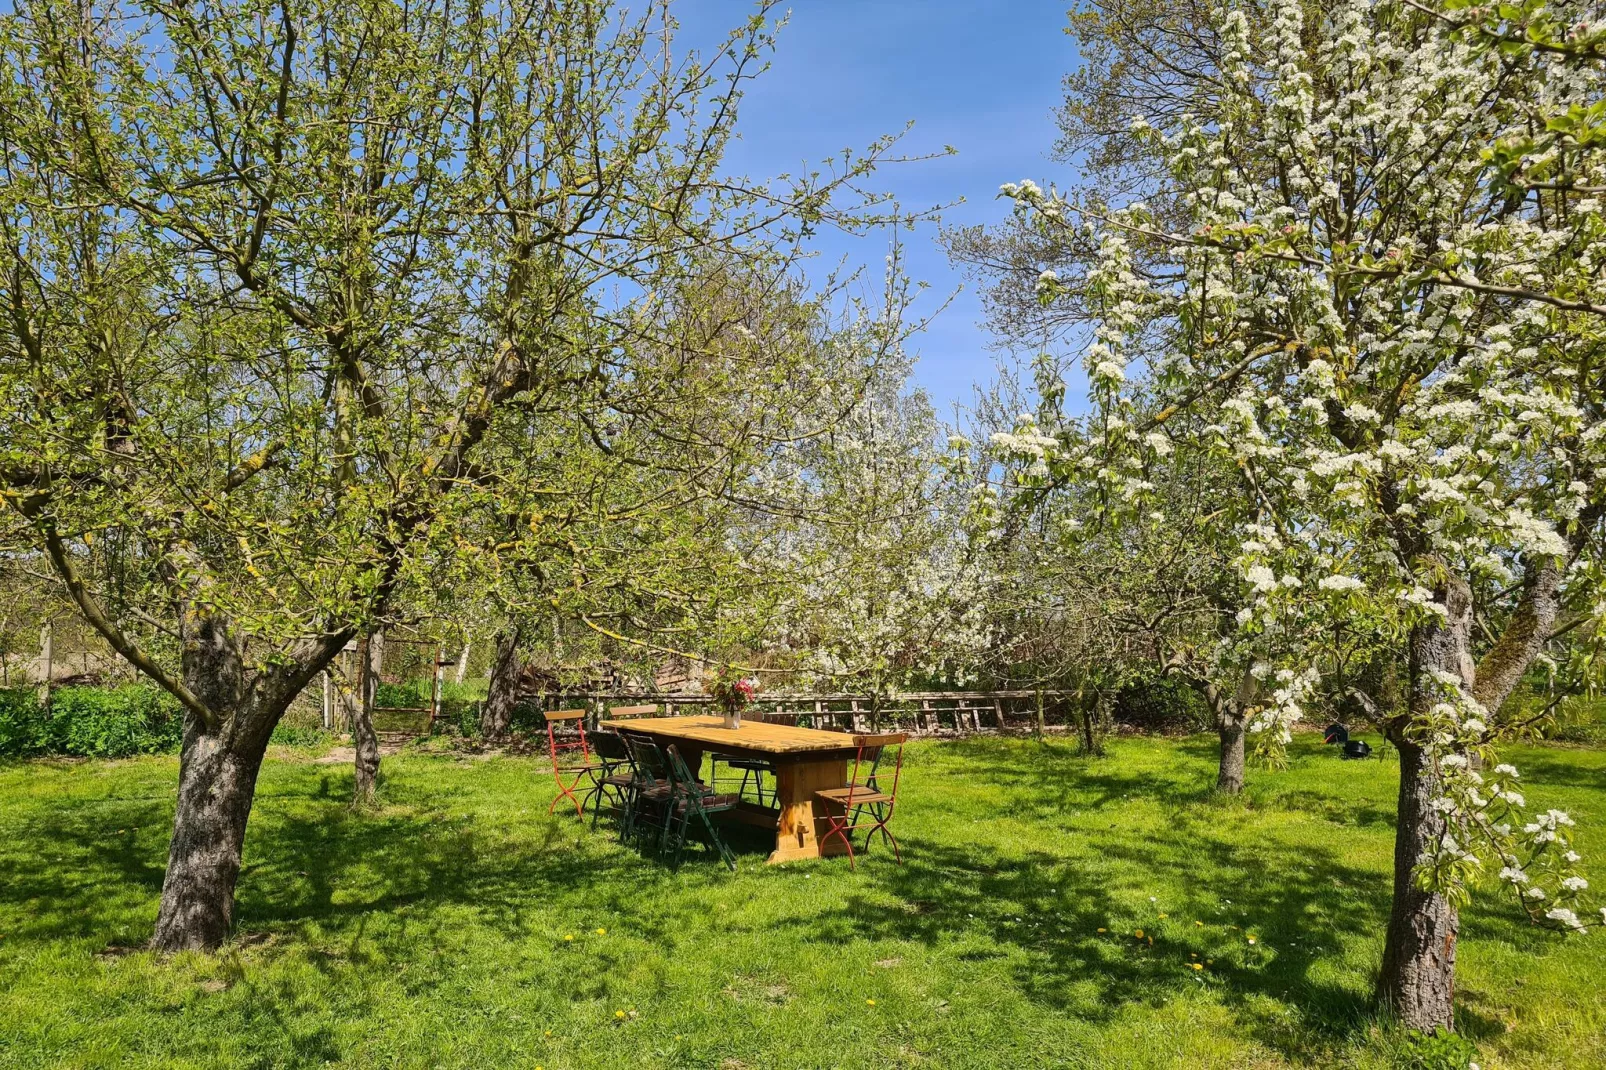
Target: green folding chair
{"type": "Point", "coordinates": [690, 799]}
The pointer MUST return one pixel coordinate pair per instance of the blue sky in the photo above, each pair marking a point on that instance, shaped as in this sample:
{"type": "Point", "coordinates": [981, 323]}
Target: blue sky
{"type": "Point", "coordinates": [981, 75]}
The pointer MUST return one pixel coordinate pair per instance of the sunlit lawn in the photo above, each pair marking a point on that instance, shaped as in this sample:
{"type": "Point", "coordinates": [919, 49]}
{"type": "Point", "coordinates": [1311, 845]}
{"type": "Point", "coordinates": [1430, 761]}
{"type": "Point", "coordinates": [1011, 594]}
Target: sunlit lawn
{"type": "Point", "coordinates": [437, 932]}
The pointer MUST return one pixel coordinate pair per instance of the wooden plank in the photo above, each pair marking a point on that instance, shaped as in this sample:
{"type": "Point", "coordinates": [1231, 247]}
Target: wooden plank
{"type": "Point", "coordinates": [753, 737]}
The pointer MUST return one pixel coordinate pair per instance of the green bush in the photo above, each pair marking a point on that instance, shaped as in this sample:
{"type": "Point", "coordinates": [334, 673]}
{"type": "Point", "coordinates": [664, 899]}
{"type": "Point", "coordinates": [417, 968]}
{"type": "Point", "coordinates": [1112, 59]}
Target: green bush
{"type": "Point", "coordinates": [1437, 1051]}
{"type": "Point", "coordinates": [91, 722]}
{"type": "Point", "coordinates": [1159, 703]}
{"type": "Point", "coordinates": [23, 728]}
{"type": "Point", "coordinates": [403, 696]}
{"type": "Point", "coordinates": [288, 734]}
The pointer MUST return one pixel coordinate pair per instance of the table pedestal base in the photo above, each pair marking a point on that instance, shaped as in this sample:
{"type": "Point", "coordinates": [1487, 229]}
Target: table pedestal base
{"type": "Point", "coordinates": [802, 819]}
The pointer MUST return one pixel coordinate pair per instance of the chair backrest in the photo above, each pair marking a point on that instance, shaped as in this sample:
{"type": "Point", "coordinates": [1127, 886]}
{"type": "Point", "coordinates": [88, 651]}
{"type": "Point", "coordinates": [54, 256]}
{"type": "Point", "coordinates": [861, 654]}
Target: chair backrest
{"type": "Point", "coordinates": [619, 713]}
{"type": "Point", "coordinates": [647, 760]}
{"type": "Point", "coordinates": [871, 750]}
{"type": "Point", "coordinates": [680, 775]}
{"type": "Point", "coordinates": [773, 717]}
{"type": "Point", "coordinates": [609, 747]}
{"type": "Point", "coordinates": [558, 745]}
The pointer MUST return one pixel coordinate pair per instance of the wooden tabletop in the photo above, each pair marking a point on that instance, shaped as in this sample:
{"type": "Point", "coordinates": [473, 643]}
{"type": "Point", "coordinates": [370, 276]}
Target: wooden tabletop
{"type": "Point", "coordinates": [754, 736]}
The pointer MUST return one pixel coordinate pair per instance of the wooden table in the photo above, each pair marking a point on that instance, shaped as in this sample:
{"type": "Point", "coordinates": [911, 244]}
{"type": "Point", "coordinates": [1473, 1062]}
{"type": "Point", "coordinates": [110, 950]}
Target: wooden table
{"type": "Point", "coordinates": [806, 760]}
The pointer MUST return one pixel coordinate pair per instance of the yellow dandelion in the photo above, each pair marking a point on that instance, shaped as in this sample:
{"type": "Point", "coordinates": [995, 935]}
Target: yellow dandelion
{"type": "Point", "coordinates": [870, 1002]}
{"type": "Point", "coordinates": [1151, 941]}
{"type": "Point", "coordinates": [602, 932]}
{"type": "Point", "coordinates": [1138, 934]}
{"type": "Point", "coordinates": [568, 936]}
{"type": "Point", "coordinates": [549, 1032]}
{"type": "Point", "coordinates": [618, 1014]}
{"type": "Point", "coordinates": [1101, 930]}
{"type": "Point", "coordinates": [1198, 965]}
{"type": "Point", "coordinates": [1165, 915]}
{"type": "Point", "coordinates": [1200, 924]}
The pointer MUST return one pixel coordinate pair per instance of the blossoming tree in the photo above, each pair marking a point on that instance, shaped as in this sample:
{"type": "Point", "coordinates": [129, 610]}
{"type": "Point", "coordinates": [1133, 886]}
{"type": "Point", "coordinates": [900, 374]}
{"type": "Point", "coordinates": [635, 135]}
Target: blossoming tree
{"type": "Point", "coordinates": [1379, 293]}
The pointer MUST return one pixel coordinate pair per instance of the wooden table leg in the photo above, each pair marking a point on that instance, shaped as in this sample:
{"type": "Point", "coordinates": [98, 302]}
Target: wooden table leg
{"type": "Point", "coordinates": [800, 819]}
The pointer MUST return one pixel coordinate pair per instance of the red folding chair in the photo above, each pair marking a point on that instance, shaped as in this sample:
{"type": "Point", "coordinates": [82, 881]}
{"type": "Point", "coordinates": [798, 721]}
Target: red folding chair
{"type": "Point", "coordinates": [564, 767]}
{"type": "Point", "coordinates": [866, 804]}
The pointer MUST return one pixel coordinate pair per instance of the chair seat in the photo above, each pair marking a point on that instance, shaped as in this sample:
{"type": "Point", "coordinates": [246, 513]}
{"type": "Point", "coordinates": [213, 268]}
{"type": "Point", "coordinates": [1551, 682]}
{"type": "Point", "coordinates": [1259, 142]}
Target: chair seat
{"type": "Point", "coordinates": [663, 791]}
{"type": "Point", "coordinates": [713, 802]}
{"type": "Point", "coordinates": [841, 796]}
{"type": "Point", "coordinates": [619, 780]}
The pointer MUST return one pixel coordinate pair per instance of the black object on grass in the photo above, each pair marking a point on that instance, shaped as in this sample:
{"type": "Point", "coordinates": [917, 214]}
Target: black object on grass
{"type": "Point", "coordinates": [1335, 733]}
{"type": "Point", "coordinates": [1357, 748]}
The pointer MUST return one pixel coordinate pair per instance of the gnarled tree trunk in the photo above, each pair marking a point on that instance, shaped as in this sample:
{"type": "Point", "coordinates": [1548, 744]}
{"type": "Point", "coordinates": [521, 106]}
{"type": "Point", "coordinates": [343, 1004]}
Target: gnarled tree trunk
{"type": "Point", "coordinates": [363, 739]}
{"type": "Point", "coordinates": [221, 756]}
{"type": "Point", "coordinates": [1418, 978]}
{"type": "Point", "coordinates": [1230, 772]}
{"type": "Point", "coordinates": [1417, 982]}
{"type": "Point", "coordinates": [217, 777]}
{"type": "Point", "coordinates": [496, 716]}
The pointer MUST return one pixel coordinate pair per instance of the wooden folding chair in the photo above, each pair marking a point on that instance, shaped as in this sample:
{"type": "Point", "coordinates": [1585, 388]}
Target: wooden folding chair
{"type": "Point", "coordinates": [625, 713]}
{"type": "Point", "coordinates": [562, 749]}
{"type": "Point", "coordinates": [615, 776]}
{"type": "Point", "coordinates": [869, 796]}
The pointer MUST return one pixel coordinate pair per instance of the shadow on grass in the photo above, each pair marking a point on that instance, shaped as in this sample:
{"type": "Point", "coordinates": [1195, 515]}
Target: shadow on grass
{"type": "Point", "coordinates": [1303, 897]}
{"type": "Point", "coordinates": [437, 849]}
{"type": "Point", "coordinates": [75, 870]}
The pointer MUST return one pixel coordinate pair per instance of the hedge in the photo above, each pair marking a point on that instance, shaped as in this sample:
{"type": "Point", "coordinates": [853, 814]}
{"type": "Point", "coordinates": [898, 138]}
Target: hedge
{"type": "Point", "coordinates": [105, 722]}
{"type": "Point", "coordinates": [91, 722]}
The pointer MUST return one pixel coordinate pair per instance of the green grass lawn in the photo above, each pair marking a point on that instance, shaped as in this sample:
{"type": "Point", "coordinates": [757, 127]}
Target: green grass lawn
{"type": "Point", "coordinates": [437, 931]}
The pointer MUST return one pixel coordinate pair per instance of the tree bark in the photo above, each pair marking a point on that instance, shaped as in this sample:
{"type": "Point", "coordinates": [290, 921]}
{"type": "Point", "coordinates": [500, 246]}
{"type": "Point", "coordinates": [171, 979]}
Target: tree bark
{"type": "Point", "coordinates": [1418, 978]}
{"type": "Point", "coordinates": [47, 648]}
{"type": "Point", "coordinates": [1095, 716]}
{"type": "Point", "coordinates": [218, 769]}
{"type": "Point", "coordinates": [363, 739]}
{"type": "Point", "coordinates": [496, 716]}
{"type": "Point", "coordinates": [1230, 772]}
{"type": "Point", "coordinates": [217, 778]}
{"type": "Point", "coordinates": [1417, 982]}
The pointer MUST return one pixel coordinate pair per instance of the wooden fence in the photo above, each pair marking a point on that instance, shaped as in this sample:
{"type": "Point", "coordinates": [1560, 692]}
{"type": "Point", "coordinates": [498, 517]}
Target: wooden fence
{"type": "Point", "coordinates": [919, 712]}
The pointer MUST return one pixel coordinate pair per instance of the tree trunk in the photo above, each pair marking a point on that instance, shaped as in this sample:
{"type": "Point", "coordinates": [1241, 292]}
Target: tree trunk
{"type": "Point", "coordinates": [1230, 774]}
{"type": "Point", "coordinates": [462, 662]}
{"type": "Point", "coordinates": [47, 648]}
{"type": "Point", "coordinates": [1418, 978]}
{"type": "Point", "coordinates": [218, 769]}
{"type": "Point", "coordinates": [496, 716]}
{"type": "Point", "coordinates": [362, 727]}
{"type": "Point", "coordinates": [1094, 717]}
{"type": "Point", "coordinates": [216, 782]}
